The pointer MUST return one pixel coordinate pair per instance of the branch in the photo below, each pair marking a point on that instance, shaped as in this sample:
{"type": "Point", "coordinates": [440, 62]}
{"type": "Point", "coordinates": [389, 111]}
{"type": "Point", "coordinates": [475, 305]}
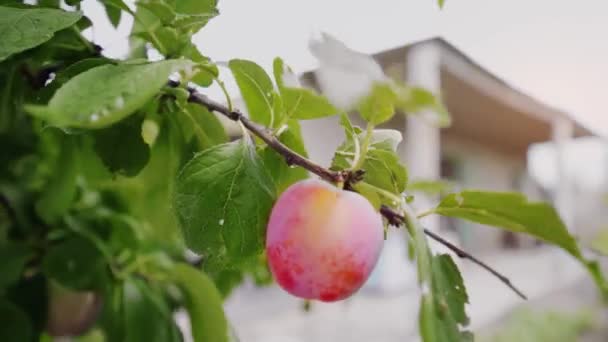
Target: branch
{"type": "Point", "coordinates": [346, 177]}
{"type": "Point", "coordinates": [396, 220]}
{"type": "Point", "coordinates": [291, 157]}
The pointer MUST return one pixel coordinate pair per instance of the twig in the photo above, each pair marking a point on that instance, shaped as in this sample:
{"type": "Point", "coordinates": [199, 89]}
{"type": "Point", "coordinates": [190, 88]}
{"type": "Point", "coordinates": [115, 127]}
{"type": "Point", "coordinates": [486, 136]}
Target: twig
{"type": "Point", "coordinates": [396, 220]}
{"type": "Point", "coordinates": [291, 157]}
{"type": "Point", "coordinates": [345, 177]}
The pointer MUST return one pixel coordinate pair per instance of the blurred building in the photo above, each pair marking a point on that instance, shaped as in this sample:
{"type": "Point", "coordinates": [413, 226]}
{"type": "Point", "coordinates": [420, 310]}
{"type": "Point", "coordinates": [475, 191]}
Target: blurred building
{"type": "Point", "coordinates": [501, 139]}
{"type": "Point", "coordinates": [486, 147]}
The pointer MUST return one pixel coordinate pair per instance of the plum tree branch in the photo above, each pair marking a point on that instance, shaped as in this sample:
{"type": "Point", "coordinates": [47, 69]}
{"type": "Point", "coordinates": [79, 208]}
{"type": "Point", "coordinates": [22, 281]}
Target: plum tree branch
{"type": "Point", "coordinates": [348, 177]}
{"type": "Point", "coordinates": [291, 157]}
{"type": "Point", "coordinates": [396, 219]}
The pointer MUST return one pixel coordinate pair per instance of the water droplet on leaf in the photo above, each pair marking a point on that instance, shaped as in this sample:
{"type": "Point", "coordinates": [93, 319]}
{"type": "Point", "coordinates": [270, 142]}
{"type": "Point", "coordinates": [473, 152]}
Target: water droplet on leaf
{"type": "Point", "coordinates": [119, 102]}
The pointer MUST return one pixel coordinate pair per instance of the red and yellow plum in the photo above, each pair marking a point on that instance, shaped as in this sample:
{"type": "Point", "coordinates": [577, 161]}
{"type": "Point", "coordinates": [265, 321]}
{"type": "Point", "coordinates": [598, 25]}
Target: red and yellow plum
{"type": "Point", "coordinates": [322, 242]}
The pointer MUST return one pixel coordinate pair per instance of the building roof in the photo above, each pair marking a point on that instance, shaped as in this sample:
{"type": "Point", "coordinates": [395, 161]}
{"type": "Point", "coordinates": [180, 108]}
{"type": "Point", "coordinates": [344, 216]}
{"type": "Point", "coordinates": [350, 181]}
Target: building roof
{"type": "Point", "coordinates": [484, 107]}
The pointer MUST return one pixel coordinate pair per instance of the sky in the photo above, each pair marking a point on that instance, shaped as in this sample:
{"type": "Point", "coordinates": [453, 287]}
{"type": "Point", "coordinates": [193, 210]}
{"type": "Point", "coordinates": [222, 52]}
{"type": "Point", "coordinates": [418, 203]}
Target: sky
{"type": "Point", "coordinates": [554, 50]}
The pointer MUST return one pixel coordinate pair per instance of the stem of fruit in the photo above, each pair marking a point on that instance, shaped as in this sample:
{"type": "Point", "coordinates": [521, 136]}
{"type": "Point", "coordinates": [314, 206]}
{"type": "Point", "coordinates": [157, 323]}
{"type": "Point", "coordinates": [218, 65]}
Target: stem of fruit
{"type": "Point", "coordinates": [423, 253]}
{"type": "Point", "coordinates": [360, 157]}
{"type": "Point", "coordinates": [408, 219]}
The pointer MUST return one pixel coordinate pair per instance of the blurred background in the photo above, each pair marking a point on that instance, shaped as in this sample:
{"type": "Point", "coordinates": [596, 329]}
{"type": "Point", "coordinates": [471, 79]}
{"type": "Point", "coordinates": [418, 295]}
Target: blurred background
{"type": "Point", "coordinates": [524, 82]}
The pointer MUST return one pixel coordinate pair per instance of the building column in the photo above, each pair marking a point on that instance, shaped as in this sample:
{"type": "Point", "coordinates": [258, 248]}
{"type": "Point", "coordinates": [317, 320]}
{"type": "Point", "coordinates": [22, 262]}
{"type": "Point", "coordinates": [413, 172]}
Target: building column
{"type": "Point", "coordinates": [562, 132]}
{"type": "Point", "coordinates": [422, 145]}
{"type": "Point", "coordinates": [420, 150]}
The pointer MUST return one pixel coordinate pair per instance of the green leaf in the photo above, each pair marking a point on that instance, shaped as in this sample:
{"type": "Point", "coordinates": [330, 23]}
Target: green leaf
{"type": "Point", "coordinates": [16, 325]}
{"type": "Point", "coordinates": [415, 99]}
{"type": "Point", "coordinates": [60, 192]}
{"type": "Point", "coordinates": [120, 5]}
{"type": "Point", "coordinates": [282, 174]}
{"type": "Point", "coordinates": [12, 261]}
{"type": "Point", "coordinates": [161, 10]}
{"type": "Point", "coordinates": [147, 195]}
{"type": "Point", "coordinates": [258, 269]}
{"type": "Point", "coordinates": [227, 280]}
{"type": "Point", "coordinates": [382, 166]}
{"type": "Point", "coordinates": [278, 69]}
{"type": "Point", "coordinates": [63, 76]}
{"type": "Point", "coordinates": [22, 29]}
{"type": "Point", "coordinates": [427, 320]}
{"type": "Point", "coordinates": [379, 105]}
{"type": "Point", "coordinates": [301, 103]}
{"type": "Point", "coordinates": [440, 3]}
{"type": "Point", "coordinates": [113, 13]}
{"type": "Point", "coordinates": [11, 97]}
{"type": "Point", "coordinates": [205, 126]}
{"type": "Point", "coordinates": [600, 242]}
{"type": "Point", "coordinates": [430, 187]}
{"type": "Point", "coordinates": [223, 199]}
{"type": "Point", "coordinates": [370, 193]}
{"type": "Point", "coordinates": [111, 319]}
{"type": "Point", "coordinates": [449, 288]}
{"type": "Point", "coordinates": [384, 170]}
{"type": "Point", "coordinates": [256, 89]}
{"type": "Point", "coordinates": [147, 316]}
{"type": "Point", "coordinates": [67, 39]}
{"type": "Point", "coordinates": [75, 263]}
{"type": "Point", "coordinates": [125, 233]}
{"type": "Point", "coordinates": [510, 211]}
{"type": "Point", "coordinates": [350, 131]}
{"type": "Point", "coordinates": [192, 15]}
{"type": "Point", "coordinates": [196, 7]}
{"type": "Point", "coordinates": [443, 310]}
{"type": "Point", "coordinates": [304, 104]}
{"type": "Point", "coordinates": [206, 71]}
{"type": "Point", "coordinates": [121, 147]}
{"type": "Point", "coordinates": [104, 95]}
{"type": "Point", "coordinates": [94, 335]}
{"type": "Point", "coordinates": [204, 304]}
{"type": "Point", "coordinates": [170, 40]}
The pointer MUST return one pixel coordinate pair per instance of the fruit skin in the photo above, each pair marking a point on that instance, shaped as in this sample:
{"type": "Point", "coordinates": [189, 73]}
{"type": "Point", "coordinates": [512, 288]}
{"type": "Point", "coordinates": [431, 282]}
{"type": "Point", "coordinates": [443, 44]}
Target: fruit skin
{"type": "Point", "coordinates": [71, 313]}
{"type": "Point", "coordinates": [322, 242]}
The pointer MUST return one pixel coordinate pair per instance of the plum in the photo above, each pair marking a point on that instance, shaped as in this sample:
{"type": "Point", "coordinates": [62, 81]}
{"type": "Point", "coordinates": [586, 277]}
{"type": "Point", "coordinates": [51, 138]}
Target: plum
{"type": "Point", "coordinates": [71, 313]}
{"type": "Point", "coordinates": [322, 242]}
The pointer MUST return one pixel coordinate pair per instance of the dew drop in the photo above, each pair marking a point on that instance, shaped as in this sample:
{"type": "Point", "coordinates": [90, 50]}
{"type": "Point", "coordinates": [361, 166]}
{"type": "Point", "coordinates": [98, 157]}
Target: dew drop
{"type": "Point", "coordinates": [221, 222]}
{"type": "Point", "coordinates": [425, 289]}
{"type": "Point", "coordinates": [50, 79]}
{"type": "Point", "coordinates": [119, 102]}
{"type": "Point", "coordinates": [104, 112]}
{"type": "Point", "coordinates": [94, 117]}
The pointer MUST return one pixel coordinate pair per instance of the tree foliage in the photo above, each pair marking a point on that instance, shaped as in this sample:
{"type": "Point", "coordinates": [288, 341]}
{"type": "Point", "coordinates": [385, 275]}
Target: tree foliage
{"type": "Point", "coordinates": [113, 171]}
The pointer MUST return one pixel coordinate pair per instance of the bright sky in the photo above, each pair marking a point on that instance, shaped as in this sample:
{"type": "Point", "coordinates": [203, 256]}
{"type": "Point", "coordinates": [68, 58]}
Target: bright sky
{"type": "Point", "coordinates": [555, 50]}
